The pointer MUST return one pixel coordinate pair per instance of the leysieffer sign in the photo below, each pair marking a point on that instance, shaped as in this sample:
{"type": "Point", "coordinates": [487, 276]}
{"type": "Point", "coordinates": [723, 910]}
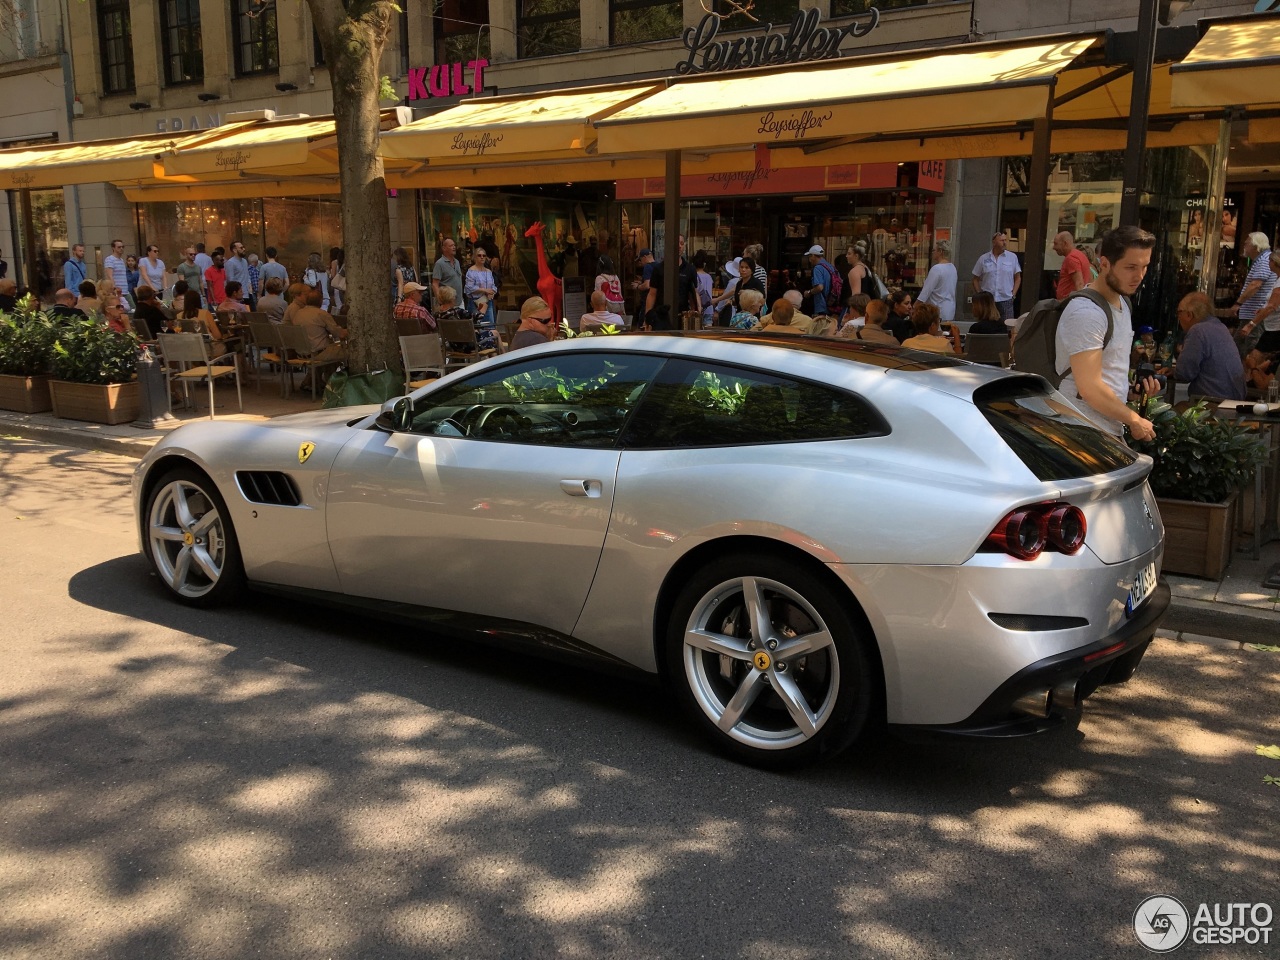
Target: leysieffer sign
{"type": "Point", "coordinates": [806, 40]}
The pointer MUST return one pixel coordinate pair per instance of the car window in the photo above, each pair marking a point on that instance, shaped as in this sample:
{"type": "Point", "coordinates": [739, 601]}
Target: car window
{"type": "Point", "coordinates": [575, 399]}
{"type": "Point", "coordinates": [701, 405]}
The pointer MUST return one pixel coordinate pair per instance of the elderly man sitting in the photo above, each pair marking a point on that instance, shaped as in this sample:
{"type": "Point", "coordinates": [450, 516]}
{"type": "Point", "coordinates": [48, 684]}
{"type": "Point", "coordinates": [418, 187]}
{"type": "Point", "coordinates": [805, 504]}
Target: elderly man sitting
{"type": "Point", "coordinates": [781, 319]}
{"type": "Point", "coordinates": [1210, 360]}
{"type": "Point", "coordinates": [320, 326]}
{"type": "Point", "coordinates": [411, 308]}
{"type": "Point", "coordinates": [599, 316]}
{"type": "Point", "coordinates": [64, 305]}
{"type": "Point", "coordinates": [802, 322]}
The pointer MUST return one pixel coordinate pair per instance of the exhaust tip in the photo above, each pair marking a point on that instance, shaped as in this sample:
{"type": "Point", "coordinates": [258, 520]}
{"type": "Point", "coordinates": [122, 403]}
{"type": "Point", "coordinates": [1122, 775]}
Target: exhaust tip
{"type": "Point", "coordinates": [1035, 703]}
{"type": "Point", "coordinates": [1066, 695]}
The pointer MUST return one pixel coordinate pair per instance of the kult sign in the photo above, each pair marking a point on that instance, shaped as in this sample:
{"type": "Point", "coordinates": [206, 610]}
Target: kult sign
{"type": "Point", "coordinates": [445, 79]}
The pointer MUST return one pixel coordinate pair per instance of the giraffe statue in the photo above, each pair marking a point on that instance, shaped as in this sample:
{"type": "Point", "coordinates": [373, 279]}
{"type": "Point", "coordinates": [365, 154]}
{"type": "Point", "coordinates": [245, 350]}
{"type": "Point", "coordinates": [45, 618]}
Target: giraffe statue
{"type": "Point", "coordinates": [549, 287]}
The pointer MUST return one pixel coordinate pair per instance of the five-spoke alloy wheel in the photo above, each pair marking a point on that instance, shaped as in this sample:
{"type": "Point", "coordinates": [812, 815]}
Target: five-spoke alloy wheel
{"type": "Point", "coordinates": [769, 661]}
{"type": "Point", "coordinates": [190, 540]}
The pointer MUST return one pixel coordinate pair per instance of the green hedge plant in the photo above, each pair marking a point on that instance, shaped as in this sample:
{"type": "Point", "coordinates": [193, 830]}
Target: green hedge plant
{"type": "Point", "coordinates": [1197, 456]}
{"type": "Point", "coordinates": [26, 343]}
{"type": "Point", "coordinates": [84, 351]}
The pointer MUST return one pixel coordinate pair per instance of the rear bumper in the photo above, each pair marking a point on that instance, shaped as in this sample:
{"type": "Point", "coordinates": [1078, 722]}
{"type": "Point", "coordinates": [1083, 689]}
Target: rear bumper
{"type": "Point", "coordinates": [1113, 659]}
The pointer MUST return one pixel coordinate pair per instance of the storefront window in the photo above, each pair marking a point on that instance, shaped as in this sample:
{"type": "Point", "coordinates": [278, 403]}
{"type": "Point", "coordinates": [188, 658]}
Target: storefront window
{"type": "Point", "coordinates": [639, 21]}
{"type": "Point", "coordinates": [256, 40]}
{"type": "Point", "coordinates": [458, 32]}
{"type": "Point", "coordinates": [548, 27]}
{"type": "Point", "coordinates": [49, 221]}
{"type": "Point", "coordinates": [845, 8]}
{"type": "Point", "coordinates": [115, 46]}
{"type": "Point", "coordinates": [778, 12]}
{"type": "Point", "coordinates": [183, 50]}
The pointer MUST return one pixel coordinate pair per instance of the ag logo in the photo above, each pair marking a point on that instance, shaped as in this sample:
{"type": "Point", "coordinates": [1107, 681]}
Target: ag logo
{"type": "Point", "coordinates": [762, 661]}
{"type": "Point", "coordinates": [1161, 924]}
{"type": "Point", "coordinates": [305, 450]}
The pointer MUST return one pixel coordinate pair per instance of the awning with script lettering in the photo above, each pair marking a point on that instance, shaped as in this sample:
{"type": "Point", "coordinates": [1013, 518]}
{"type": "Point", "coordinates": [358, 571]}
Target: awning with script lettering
{"type": "Point", "coordinates": [49, 165]}
{"type": "Point", "coordinates": [258, 147]}
{"type": "Point", "coordinates": [501, 128]}
{"type": "Point", "coordinates": [1236, 63]}
{"type": "Point", "coordinates": [961, 87]}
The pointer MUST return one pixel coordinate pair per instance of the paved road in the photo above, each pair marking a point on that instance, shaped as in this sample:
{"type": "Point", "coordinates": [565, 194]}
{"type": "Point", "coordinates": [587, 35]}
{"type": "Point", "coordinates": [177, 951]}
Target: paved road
{"type": "Point", "coordinates": [272, 782]}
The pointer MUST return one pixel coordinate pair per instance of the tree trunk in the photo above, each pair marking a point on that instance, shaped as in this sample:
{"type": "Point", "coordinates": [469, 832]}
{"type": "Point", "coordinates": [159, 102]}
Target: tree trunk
{"type": "Point", "coordinates": [353, 35]}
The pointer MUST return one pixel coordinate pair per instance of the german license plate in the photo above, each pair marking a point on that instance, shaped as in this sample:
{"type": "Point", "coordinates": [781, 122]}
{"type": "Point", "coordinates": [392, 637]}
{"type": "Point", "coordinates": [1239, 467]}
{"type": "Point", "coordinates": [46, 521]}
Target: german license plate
{"type": "Point", "coordinates": [1144, 584]}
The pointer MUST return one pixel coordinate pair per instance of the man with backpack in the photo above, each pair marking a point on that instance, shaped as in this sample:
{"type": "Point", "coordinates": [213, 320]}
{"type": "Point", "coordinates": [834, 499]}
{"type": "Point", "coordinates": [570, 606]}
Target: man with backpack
{"type": "Point", "coordinates": [1081, 344]}
{"type": "Point", "coordinates": [827, 282]}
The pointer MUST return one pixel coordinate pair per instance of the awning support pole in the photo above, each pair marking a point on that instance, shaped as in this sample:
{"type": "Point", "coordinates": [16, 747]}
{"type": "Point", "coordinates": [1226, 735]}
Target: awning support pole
{"type": "Point", "coordinates": [29, 242]}
{"type": "Point", "coordinates": [1139, 104]}
{"type": "Point", "coordinates": [1214, 195]}
{"type": "Point", "coordinates": [671, 243]}
{"type": "Point", "coordinates": [1037, 207]}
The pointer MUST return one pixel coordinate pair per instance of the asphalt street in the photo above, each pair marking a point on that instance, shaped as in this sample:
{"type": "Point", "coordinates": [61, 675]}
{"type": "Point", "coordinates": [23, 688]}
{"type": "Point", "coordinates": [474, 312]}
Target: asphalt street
{"type": "Point", "coordinates": [275, 781]}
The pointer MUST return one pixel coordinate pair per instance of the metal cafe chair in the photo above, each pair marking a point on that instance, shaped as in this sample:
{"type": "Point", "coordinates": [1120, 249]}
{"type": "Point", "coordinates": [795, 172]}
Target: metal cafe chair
{"type": "Point", "coordinates": [985, 348]}
{"type": "Point", "coordinates": [422, 353]}
{"type": "Point", "coordinates": [458, 335]}
{"type": "Point", "coordinates": [264, 342]}
{"type": "Point", "coordinates": [294, 340]}
{"type": "Point", "coordinates": [186, 359]}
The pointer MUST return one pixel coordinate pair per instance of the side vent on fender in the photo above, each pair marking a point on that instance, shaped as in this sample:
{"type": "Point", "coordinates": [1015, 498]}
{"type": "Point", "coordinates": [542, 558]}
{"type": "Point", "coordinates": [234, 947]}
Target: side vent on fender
{"type": "Point", "coordinates": [268, 486]}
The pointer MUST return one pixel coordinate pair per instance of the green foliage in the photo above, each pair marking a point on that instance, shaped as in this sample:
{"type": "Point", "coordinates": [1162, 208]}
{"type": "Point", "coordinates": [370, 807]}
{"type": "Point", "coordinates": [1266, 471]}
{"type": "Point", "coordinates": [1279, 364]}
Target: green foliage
{"type": "Point", "coordinates": [1198, 457]}
{"type": "Point", "coordinates": [707, 391]}
{"type": "Point", "coordinates": [607, 330]}
{"type": "Point", "coordinates": [84, 351]}
{"type": "Point", "coordinates": [26, 343]}
{"type": "Point", "coordinates": [1272, 752]}
{"type": "Point", "coordinates": [387, 90]}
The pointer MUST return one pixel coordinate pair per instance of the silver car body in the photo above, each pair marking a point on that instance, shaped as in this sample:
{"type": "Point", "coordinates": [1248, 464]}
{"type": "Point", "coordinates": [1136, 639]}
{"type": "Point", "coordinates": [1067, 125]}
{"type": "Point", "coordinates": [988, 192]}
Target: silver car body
{"type": "Point", "coordinates": [580, 541]}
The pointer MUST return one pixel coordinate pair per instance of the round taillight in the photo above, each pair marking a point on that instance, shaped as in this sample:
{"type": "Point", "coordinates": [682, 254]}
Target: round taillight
{"type": "Point", "coordinates": [1022, 534]}
{"type": "Point", "coordinates": [1066, 528]}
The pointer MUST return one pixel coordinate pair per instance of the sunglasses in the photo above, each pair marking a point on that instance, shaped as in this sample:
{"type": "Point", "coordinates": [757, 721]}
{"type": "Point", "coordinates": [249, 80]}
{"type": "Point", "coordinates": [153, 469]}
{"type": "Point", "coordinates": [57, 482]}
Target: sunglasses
{"type": "Point", "coordinates": [541, 319]}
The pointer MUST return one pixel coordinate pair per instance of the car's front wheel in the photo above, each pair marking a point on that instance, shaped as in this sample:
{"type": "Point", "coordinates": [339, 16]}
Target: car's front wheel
{"type": "Point", "coordinates": [190, 541]}
{"type": "Point", "coordinates": [767, 659]}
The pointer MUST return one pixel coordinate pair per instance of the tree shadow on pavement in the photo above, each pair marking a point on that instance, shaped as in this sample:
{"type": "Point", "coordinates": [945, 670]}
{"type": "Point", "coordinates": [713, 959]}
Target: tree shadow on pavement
{"type": "Point", "coordinates": [278, 781]}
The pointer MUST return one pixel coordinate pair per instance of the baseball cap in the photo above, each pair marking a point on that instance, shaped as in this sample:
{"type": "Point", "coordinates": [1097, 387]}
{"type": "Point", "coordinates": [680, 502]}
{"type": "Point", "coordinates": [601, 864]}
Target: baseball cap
{"type": "Point", "coordinates": [412, 287]}
{"type": "Point", "coordinates": [816, 251]}
{"type": "Point", "coordinates": [646, 252]}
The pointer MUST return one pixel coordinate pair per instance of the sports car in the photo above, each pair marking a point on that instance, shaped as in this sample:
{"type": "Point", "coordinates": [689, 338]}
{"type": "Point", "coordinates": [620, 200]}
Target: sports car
{"type": "Point", "coordinates": [804, 538]}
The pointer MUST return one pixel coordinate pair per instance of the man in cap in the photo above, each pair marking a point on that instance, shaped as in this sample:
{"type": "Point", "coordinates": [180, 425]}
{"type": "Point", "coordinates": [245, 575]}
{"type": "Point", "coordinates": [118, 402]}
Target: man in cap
{"type": "Point", "coordinates": [823, 272]}
{"type": "Point", "coordinates": [411, 308]}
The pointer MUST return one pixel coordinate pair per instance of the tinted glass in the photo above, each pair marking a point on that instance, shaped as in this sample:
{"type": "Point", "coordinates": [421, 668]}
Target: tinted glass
{"type": "Point", "coordinates": [577, 400]}
{"type": "Point", "coordinates": [707, 405]}
{"type": "Point", "coordinates": [1048, 435]}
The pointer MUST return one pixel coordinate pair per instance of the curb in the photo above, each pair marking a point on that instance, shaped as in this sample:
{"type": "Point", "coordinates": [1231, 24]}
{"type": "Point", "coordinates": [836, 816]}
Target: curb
{"type": "Point", "coordinates": [1257, 626]}
{"type": "Point", "coordinates": [85, 440]}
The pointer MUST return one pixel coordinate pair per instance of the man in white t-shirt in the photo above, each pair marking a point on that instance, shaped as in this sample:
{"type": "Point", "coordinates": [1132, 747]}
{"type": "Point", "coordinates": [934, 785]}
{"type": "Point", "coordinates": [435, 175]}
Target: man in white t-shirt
{"type": "Point", "coordinates": [998, 273]}
{"type": "Point", "coordinates": [1098, 379]}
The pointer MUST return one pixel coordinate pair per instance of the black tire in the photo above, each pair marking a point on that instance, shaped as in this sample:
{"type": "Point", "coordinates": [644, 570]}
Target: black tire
{"type": "Point", "coordinates": [212, 573]}
{"type": "Point", "coordinates": [837, 681]}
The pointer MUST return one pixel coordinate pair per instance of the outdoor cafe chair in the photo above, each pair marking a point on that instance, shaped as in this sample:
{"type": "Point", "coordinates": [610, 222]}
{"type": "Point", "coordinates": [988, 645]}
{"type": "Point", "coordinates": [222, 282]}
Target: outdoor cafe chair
{"type": "Point", "coordinates": [186, 359]}
{"type": "Point", "coordinates": [264, 341]}
{"type": "Point", "coordinates": [422, 353]}
{"type": "Point", "coordinates": [143, 330]}
{"type": "Point", "coordinates": [407, 326]}
{"type": "Point", "coordinates": [986, 348]}
{"type": "Point", "coordinates": [458, 335]}
{"type": "Point", "coordinates": [294, 341]}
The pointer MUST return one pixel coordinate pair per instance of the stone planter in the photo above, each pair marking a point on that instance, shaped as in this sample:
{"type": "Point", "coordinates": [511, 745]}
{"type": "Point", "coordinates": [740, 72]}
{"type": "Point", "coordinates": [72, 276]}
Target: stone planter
{"type": "Point", "coordinates": [1200, 538]}
{"type": "Point", "coordinates": [109, 403]}
{"type": "Point", "coordinates": [25, 394]}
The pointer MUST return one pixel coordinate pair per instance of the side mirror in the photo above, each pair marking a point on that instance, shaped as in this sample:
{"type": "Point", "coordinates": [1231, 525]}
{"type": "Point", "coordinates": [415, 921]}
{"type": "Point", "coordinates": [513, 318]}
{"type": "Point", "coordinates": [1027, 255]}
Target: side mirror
{"type": "Point", "coordinates": [396, 415]}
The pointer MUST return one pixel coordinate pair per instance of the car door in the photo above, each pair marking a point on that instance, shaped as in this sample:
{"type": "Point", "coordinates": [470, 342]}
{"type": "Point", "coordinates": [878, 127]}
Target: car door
{"type": "Point", "coordinates": [496, 497]}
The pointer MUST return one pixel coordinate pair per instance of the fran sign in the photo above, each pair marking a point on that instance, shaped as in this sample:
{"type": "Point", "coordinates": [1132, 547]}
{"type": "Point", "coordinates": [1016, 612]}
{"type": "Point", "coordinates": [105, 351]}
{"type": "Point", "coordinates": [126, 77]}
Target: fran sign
{"type": "Point", "coordinates": [806, 40]}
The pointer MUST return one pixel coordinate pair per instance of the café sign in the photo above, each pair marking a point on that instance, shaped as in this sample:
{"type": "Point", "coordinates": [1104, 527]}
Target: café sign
{"type": "Point", "coordinates": [806, 40]}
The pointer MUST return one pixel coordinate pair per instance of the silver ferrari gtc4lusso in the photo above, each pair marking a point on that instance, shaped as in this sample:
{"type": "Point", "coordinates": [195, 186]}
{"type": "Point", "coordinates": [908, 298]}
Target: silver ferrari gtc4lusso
{"type": "Point", "coordinates": [803, 537]}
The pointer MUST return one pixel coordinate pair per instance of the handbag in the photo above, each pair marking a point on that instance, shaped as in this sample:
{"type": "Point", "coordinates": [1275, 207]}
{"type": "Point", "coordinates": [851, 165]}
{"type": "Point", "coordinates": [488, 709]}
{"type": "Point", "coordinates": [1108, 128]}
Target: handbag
{"type": "Point", "coordinates": [339, 281]}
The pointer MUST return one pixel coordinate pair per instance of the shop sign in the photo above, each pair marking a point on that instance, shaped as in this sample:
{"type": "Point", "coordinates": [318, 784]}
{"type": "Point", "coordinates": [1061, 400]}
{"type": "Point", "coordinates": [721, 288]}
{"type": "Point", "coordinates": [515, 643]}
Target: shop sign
{"type": "Point", "coordinates": [796, 125]}
{"type": "Point", "coordinates": [806, 40]}
{"type": "Point", "coordinates": [178, 125]}
{"type": "Point", "coordinates": [932, 175]}
{"type": "Point", "coordinates": [446, 79]}
{"type": "Point", "coordinates": [475, 144]}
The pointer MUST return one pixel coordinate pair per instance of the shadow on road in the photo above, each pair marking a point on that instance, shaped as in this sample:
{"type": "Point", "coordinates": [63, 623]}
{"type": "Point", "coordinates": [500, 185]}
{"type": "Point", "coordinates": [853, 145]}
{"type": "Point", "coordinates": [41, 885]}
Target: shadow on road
{"type": "Point", "coordinates": [279, 781]}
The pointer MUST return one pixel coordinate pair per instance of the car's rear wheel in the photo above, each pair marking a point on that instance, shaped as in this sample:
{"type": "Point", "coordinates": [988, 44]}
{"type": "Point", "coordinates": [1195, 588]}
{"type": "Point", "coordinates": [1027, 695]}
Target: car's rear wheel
{"type": "Point", "coordinates": [766, 658]}
{"type": "Point", "coordinates": [190, 540]}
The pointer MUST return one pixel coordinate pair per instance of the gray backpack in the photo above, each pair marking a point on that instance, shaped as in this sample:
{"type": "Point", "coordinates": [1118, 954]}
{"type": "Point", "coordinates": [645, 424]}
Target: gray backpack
{"type": "Point", "coordinates": [1034, 348]}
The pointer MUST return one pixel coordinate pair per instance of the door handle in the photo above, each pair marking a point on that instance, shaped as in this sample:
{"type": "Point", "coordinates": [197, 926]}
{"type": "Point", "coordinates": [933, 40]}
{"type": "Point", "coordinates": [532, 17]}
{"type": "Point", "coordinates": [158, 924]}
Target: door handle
{"type": "Point", "coordinates": [582, 488]}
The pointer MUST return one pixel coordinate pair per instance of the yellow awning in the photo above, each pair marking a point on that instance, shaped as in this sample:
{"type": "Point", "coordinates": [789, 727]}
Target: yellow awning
{"type": "Point", "coordinates": [1234, 65]}
{"type": "Point", "coordinates": [504, 127]}
{"type": "Point", "coordinates": [94, 161]}
{"type": "Point", "coordinates": [964, 87]}
{"type": "Point", "coordinates": [259, 146]}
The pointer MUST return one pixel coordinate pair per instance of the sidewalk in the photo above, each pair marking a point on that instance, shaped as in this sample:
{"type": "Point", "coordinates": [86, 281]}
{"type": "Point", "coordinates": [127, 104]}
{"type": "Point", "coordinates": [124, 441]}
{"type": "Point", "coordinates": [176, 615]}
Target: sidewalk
{"type": "Point", "coordinates": [1237, 607]}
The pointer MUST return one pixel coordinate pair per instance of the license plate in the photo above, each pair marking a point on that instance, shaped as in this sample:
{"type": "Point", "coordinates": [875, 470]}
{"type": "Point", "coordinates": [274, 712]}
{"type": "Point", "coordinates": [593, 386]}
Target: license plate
{"type": "Point", "coordinates": [1144, 584]}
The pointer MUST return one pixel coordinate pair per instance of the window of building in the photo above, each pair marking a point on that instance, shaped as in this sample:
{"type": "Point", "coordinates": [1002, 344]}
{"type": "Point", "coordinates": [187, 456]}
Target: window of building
{"type": "Point", "coordinates": [317, 51]}
{"type": "Point", "coordinates": [180, 33]}
{"type": "Point", "coordinates": [115, 45]}
{"type": "Point", "coordinates": [778, 12]}
{"type": "Point", "coordinates": [458, 30]}
{"type": "Point", "coordinates": [639, 21]}
{"type": "Point", "coordinates": [545, 28]}
{"type": "Point", "coordinates": [845, 8]}
{"type": "Point", "coordinates": [256, 39]}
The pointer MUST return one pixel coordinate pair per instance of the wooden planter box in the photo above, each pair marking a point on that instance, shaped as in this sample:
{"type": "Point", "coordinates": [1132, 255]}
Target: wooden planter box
{"type": "Point", "coordinates": [1199, 538]}
{"type": "Point", "coordinates": [109, 403]}
{"type": "Point", "coordinates": [25, 394]}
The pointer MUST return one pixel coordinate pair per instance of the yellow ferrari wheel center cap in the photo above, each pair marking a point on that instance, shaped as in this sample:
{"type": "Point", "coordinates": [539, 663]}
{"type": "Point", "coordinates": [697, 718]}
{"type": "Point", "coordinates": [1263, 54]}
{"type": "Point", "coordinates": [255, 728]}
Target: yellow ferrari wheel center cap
{"type": "Point", "coordinates": [188, 538]}
{"type": "Point", "coordinates": [762, 661]}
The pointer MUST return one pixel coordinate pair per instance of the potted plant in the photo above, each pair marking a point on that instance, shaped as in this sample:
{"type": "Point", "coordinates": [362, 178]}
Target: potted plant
{"type": "Point", "coordinates": [94, 373]}
{"type": "Point", "coordinates": [1201, 465]}
{"type": "Point", "coordinates": [26, 347]}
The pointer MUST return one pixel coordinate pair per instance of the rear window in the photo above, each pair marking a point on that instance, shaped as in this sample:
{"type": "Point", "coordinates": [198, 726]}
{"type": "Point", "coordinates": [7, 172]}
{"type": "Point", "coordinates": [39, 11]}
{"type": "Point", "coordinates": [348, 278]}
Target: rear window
{"type": "Point", "coordinates": [1048, 434]}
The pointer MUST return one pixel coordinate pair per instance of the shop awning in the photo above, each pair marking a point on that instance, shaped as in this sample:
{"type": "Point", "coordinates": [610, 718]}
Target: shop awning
{"type": "Point", "coordinates": [262, 146]}
{"type": "Point", "coordinates": [956, 88]}
{"type": "Point", "coordinates": [502, 128]}
{"type": "Point", "coordinates": [49, 165]}
{"type": "Point", "coordinates": [1233, 65]}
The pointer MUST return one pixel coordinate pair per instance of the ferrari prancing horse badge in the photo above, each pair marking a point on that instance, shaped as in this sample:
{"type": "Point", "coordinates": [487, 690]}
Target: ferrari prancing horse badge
{"type": "Point", "coordinates": [304, 450]}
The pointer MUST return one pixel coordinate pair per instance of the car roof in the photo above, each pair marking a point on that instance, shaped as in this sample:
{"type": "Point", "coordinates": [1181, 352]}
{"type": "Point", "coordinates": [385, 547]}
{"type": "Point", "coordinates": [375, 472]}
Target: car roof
{"type": "Point", "coordinates": [855, 351]}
